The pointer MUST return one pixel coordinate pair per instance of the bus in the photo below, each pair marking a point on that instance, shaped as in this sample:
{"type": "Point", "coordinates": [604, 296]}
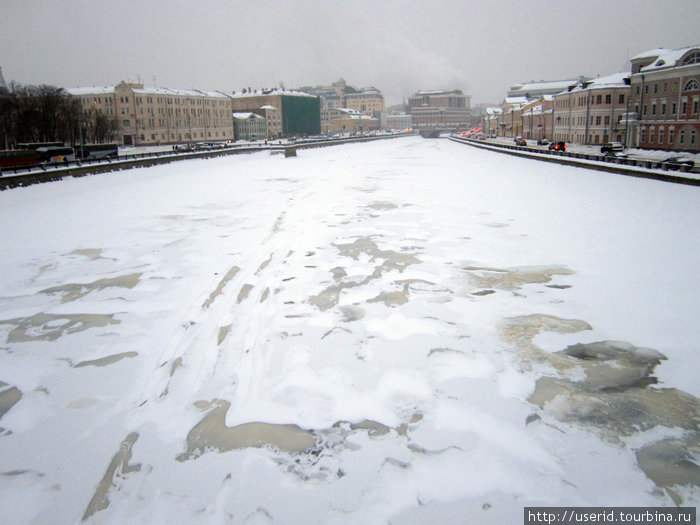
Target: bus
{"type": "Point", "coordinates": [96, 151]}
{"type": "Point", "coordinates": [18, 158]}
{"type": "Point", "coordinates": [35, 145]}
{"type": "Point", "coordinates": [55, 154]}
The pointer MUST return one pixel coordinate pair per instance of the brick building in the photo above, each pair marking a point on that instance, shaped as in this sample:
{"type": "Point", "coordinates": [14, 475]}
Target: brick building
{"type": "Point", "coordinates": [300, 112]}
{"type": "Point", "coordinates": [665, 95]}
{"type": "Point", "coordinates": [593, 112]}
{"type": "Point", "coordinates": [445, 108]}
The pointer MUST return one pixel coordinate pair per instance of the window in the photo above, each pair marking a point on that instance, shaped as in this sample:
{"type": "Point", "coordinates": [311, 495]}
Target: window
{"type": "Point", "coordinates": [597, 121]}
{"type": "Point", "coordinates": [693, 58]}
{"type": "Point", "coordinates": [599, 99]}
{"type": "Point", "coordinates": [663, 108]}
{"type": "Point", "coordinates": [126, 123]}
{"type": "Point", "coordinates": [656, 88]}
{"type": "Point", "coordinates": [661, 135]}
{"type": "Point", "coordinates": [651, 134]}
{"type": "Point", "coordinates": [692, 136]}
{"type": "Point", "coordinates": [673, 108]}
{"type": "Point", "coordinates": [670, 135]}
{"type": "Point", "coordinates": [607, 120]}
{"type": "Point", "coordinates": [684, 109]}
{"type": "Point", "coordinates": [608, 99]}
{"type": "Point", "coordinates": [621, 99]}
{"type": "Point", "coordinates": [653, 109]}
{"type": "Point", "coordinates": [681, 137]}
{"type": "Point", "coordinates": [695, 106]}
{"type": "Point", "coordinates": [692, 85]}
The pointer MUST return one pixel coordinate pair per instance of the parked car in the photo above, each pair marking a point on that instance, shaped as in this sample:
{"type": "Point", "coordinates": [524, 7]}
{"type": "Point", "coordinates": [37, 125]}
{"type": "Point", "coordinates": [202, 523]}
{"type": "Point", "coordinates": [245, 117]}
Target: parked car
{"type": "Point", "coordinates": [615, 155]}
{"type": "Point", "coordinates": [611, 146]}
{"type": "Point", "coordinates": [519, 141]}
{"type": "Point", "coordinates": [557, 146]}
{"type": "Point", "coordinates": [542, 142]}
{"type": "Point", "coordinates": [676, 163]}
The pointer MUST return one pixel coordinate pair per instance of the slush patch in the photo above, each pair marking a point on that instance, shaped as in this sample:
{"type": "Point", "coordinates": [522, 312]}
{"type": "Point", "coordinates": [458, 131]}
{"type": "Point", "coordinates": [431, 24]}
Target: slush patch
{"type": "Point", "coordinates": [222, 284]}
{"type": "Point", "coordinates": [118, 469]}
{"type": "Point", "coordinates": [105, 361]}
{"type": "Point", "coordinates": [73, 291]}
{"type": "Point", "coordinates": [211, 433]}
{"type": "Point", "coordinates": [512, 279]}
{"type": "Point", "coordinates": [49, 327]}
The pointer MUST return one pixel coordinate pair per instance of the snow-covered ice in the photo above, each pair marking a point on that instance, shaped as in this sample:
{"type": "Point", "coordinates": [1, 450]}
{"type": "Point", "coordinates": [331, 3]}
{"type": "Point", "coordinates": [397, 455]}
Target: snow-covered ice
{"type": "Point", "coordinates": [404, 331]}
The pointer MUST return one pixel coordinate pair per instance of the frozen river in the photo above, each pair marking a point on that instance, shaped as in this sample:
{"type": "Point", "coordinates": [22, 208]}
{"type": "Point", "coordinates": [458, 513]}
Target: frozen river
{"type": "Point", "coordinates": [406, 331]}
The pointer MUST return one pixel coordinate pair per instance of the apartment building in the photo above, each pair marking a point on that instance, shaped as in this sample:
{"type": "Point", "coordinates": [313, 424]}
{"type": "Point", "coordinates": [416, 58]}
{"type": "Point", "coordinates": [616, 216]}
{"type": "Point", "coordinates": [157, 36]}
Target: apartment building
{"type": "Point", "coordinates": [664, 99]}
{"type": "Point", "coordinates": [594, 111]}
{"type": "Point", "coordinates": [367, 100]}
{"type": "Point", "coordinates": [249, 126]}
{"type": "Point", "coordinates": [537, 118]}
{"type": "Point", "coordinates": [443, 108]}
{"type": "Point", "coordinates": [300, 112]}
{"type": "Point", "coordinates": [137, 115]}
{"type": "Point", "coordinates": [273, 118]}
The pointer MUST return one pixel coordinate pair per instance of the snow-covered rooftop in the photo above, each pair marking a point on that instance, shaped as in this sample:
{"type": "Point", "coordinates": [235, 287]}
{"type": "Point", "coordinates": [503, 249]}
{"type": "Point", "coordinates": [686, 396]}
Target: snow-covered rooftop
{"type": "Point", "coordinates": [109, 90]}
{"type": "Point", "coordinates": [614, 80]}
{"type": "Point", "coordinates": [259, 93]}
{"type": "Point", "coordinates": [670, 58]}
{"type": "Point", "coordinates": [651, 53]}
{"type": "Point", "coordinates": [247, 115]}
{"type": "Point", "coordinates": [540, 86]}
{"type": "Point", "coordinates": [92, 90]}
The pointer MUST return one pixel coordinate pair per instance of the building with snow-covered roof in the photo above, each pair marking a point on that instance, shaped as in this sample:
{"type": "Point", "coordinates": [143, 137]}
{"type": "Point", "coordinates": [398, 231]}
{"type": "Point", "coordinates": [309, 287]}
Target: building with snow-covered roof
{"type": "Point", "coordinates": [537, 118]}
{"type": "Point", "coordinates": [249, 126]}
{"type": "Point", "coordinates": [533, 90]}
{"type": "Point", "coordinates": [131, 114]}
{"type": "Point", "coordinates": [367, 100]}
{"type": "Point", "coordinates": [664, 99]}
{"type": "Point", "coordinates": [273, 117]}
{"type": "Point", "coordinates": [345, 120]}
{"type": "Point", "coordinates": [592, 111]}
{"type": "Point", "coordinates": [441, 108]}
{"type": "Point", "coordinates": [300, 112]}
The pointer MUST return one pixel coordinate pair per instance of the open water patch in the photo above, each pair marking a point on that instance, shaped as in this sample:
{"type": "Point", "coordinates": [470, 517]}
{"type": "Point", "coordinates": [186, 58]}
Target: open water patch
{"type": "Point", "coordinates": [609, 387]}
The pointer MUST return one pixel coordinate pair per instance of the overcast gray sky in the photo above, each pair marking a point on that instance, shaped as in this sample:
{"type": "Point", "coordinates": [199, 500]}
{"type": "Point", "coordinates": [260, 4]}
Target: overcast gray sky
{"type": "Point", "coordinates": [481, 47]}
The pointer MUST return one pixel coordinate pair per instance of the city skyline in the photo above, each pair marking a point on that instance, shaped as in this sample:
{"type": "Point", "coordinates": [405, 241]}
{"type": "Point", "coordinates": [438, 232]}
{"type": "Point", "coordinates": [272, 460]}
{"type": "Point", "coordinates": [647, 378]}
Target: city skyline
{"type": "Point", "coordinates": [479, 47]}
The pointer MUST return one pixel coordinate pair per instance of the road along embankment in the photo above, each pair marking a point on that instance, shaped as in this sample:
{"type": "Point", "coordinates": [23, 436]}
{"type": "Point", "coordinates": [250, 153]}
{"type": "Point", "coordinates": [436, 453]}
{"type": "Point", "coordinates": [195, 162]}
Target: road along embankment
{"type": "Point", "coordinates": [631, 167]}
{"type": "Point", "coordinates": [80, 169]}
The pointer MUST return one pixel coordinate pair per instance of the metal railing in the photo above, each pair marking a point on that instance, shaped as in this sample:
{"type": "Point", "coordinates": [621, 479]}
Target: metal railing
{"type": "Point", "coordinates": [644, 168]}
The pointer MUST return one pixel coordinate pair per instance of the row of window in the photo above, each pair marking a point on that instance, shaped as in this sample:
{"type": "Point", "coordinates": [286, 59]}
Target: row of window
{"type": "Point", "coordinates": [177, 123]}
{"type": "Point", "coordinates": [690, 85]}
{"type": "Point", "coordinates": [124, 99]}
{"type": "Point", "coordinates": [154, 136]}
{"type": "Point", "coordinates": [684, 108]}
{"type": "Point", "coordinates": [595, 100]}
{"type": "Point", "coordinates": [671, 131]}
{"type": "Point", "coordinates": [182, 101]}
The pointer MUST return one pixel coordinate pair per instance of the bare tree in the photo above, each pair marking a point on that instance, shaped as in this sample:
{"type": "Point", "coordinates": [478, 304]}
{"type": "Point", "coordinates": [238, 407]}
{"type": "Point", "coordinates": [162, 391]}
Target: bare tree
{"type": "Point", "coordinates": [37, 114]}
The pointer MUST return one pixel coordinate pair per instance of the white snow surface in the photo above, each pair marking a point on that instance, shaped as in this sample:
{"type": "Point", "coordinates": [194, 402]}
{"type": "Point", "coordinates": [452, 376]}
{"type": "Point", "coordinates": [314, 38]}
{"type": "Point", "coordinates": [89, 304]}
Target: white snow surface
{"type": "Point", "coordinates": [360, 292]}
